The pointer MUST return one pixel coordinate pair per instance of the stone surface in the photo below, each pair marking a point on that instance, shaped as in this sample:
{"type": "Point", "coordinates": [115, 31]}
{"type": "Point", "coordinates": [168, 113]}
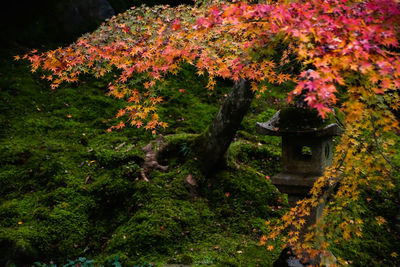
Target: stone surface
{"type": "Point", "coordinates": [272, 127]}
{"type": "Point", "coordinates": [293, 184]}
{"type": "Point", "coordinates": [306, 150]}
{"type": "Point", "coordinates": [306, 155]}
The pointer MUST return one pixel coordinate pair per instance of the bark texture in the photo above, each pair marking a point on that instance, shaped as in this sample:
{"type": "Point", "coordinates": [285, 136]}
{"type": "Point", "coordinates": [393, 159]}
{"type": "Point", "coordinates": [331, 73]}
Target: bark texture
{"type": "Point", "coordinates": [216, 140]}
{"type": "Point", "coordinates": [153, 150]}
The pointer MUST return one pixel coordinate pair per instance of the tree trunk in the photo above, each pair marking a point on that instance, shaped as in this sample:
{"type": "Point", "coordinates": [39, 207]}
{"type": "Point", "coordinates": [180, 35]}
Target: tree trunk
{"type": "Point", "coordinates": [217, 138]}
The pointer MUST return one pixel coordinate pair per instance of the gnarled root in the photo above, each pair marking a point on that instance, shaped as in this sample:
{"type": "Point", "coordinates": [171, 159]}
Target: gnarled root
{"type": "Point", "coordinates": [153, 150]}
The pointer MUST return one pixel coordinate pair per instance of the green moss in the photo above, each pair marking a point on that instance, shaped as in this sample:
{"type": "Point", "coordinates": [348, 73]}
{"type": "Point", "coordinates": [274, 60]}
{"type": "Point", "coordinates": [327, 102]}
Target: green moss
{"type": "Point", "coordinates": [78, 191]}
{"type": "Point", "coordinates": [155, 226]}
{"type": "Point", "coordinates": [189, 107]}
{"type": "Point", "coordinates": [50, 232]}
{"type": "Point", "coordinates": [298, 119]}
{"type": "Point", "coordinates": [264, 158]}
{"type": "Point", "coordinates": [243, 195]}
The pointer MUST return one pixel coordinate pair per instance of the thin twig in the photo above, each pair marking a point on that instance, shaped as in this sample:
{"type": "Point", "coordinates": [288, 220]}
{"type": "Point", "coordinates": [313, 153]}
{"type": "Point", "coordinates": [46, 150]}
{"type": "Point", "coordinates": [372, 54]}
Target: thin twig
{"type": "Point", "coordinates": [397, 168]}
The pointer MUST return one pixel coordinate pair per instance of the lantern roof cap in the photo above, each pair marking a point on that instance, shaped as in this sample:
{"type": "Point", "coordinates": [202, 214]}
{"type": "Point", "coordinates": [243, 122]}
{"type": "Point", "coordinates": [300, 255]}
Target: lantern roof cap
{"type": "Point", "coordinates": [298, 122]}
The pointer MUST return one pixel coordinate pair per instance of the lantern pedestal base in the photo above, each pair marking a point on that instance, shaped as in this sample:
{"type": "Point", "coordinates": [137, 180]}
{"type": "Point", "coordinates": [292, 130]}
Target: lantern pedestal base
{"type": "Point", "coordinates": [296, 185]}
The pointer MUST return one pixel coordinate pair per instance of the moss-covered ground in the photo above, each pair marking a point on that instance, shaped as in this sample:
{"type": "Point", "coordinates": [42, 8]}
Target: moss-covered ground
{"type": "Point", "coordinates": [70, 189]}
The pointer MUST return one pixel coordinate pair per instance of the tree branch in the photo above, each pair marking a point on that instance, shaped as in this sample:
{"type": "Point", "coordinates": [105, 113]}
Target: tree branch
{"type": "Point", "coordinates": [397, 168]}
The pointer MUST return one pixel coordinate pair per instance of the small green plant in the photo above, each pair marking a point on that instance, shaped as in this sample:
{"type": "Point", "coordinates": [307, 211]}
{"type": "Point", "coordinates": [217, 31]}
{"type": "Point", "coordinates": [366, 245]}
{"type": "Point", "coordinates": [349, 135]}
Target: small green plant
{"type": "Point", "coordinates": [114, 262]}
{"type": "Point", "coordinates": [185, 150]}
{"type": "Point", "coordinates": [81, 262]}
{"type": "Point", "coordinates": [38, 264]}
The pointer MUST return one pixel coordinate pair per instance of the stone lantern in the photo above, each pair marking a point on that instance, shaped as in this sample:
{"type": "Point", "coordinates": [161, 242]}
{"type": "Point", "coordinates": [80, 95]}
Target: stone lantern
{"type": "Point", "coordinates": [307, 148]}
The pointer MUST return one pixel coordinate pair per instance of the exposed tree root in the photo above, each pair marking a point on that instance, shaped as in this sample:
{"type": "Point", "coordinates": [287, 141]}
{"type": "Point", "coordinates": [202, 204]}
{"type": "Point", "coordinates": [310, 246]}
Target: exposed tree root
{"type": "Point", "coordinates": [153, 151]}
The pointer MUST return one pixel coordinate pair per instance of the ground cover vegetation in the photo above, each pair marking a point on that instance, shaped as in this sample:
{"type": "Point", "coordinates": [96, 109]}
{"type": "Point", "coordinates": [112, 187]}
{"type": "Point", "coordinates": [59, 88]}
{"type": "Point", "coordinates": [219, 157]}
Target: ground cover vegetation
{"type": "Point", "coordinates": [71, 188]}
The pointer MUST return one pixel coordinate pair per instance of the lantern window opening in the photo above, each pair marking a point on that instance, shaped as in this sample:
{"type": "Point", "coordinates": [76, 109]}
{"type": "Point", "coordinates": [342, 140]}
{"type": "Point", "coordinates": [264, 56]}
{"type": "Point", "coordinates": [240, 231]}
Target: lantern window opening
{"type": "Point", "coordinates": [304, 153]}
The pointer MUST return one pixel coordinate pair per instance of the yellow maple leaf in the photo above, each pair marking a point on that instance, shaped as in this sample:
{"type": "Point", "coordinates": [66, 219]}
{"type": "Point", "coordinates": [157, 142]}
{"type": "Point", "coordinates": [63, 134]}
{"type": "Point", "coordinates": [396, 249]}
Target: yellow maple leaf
{"type": "Point", "coordinates": [380, 220]}
{"type": "Point", "coordinates": [346, 234]}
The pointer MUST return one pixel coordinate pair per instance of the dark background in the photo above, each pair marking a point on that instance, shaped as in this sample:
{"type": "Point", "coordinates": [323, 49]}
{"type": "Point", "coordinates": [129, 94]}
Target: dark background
{"type": "Point", "coordinates": [31, 23]}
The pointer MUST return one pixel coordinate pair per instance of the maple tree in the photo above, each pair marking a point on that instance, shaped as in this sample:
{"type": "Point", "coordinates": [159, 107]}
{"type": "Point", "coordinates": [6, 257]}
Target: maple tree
{"type": "Point", "coordinates": [343, 46]}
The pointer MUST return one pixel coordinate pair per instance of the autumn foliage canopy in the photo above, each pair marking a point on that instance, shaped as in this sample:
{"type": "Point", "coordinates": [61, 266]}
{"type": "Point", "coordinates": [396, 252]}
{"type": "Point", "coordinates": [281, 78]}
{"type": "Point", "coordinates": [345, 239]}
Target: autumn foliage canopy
{"type": "Point", "coordinates": [349, 58]}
